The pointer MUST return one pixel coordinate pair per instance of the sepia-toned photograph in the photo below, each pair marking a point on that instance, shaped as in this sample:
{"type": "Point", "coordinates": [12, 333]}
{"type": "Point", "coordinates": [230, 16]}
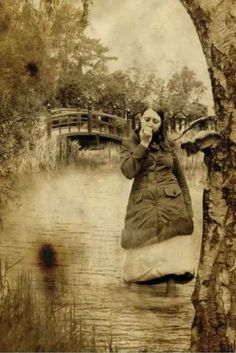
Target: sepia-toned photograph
{"type": "Point", "coordinates": [118, 176]}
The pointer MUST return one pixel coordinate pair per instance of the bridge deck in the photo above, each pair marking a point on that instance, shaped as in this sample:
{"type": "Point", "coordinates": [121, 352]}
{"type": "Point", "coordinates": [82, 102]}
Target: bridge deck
{"type": "Point", "coordinates": [73, 132]}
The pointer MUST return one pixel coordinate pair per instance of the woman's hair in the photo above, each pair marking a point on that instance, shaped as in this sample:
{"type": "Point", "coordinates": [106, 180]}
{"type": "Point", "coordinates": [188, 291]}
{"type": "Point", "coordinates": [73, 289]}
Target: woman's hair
{"type": "Point", "coordinates": [160, 137]}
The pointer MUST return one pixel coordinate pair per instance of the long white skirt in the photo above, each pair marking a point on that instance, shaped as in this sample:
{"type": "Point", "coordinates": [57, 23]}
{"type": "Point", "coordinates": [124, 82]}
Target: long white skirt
{"type": "Point", "coordinates": [174, 256]}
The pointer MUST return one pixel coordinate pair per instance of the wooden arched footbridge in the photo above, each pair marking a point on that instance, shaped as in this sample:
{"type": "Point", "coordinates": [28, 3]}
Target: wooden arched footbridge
{"type": "Point", "coordinates": [95, 127]}
{"type": "Point", "coordinates": [88, 126]}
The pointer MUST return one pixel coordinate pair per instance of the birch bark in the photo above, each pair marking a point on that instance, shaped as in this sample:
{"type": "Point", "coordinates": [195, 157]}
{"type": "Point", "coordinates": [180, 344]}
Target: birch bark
{"type": "Point", "coordinates": [214, 298]}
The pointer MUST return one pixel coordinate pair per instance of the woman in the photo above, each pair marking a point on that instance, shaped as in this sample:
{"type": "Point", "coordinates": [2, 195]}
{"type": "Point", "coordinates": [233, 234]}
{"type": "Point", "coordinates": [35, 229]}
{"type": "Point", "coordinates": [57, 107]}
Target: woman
{"type": "Point", "coordinates": [159, 209]}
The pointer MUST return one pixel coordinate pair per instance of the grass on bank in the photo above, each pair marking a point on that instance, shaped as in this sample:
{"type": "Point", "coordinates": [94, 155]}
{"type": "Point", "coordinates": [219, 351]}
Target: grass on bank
{"type": "Point", "coordinates": [49, 155]}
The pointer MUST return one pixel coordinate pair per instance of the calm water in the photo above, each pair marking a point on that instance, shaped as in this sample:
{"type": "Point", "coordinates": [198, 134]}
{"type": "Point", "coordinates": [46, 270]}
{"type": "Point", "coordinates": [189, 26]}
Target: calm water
{"type": "Point", "coordinates": [81, 214]}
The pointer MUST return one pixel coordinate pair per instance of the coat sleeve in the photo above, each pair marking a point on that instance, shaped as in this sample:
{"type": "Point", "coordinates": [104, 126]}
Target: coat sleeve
{"type": "Point", "coordinates": [131, 158]}
{"type": "Point", "coordinates": [178, 172]}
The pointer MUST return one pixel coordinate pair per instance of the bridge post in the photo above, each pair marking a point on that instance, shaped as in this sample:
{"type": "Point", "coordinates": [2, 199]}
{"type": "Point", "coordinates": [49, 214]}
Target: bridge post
{"type": "Point", "coordinates": [114, 127]}
{"type": "Point", "coordinates": [49, 126]}
{"type": "Point", "coordinates": [78, 122]}
{"type": "Point", "coordinates": [129, 126]}
{"type": "Point", "coordinates": [90, 117]}
{"type": "Point", "coordinates": [97, 140]}
{"type": "Point", "coordinates": [68, 122]}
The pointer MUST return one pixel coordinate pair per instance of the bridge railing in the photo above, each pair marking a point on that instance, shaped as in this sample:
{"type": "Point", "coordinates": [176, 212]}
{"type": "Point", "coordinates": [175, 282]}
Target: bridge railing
{"type": "Point", "coordinates": [86, 121]}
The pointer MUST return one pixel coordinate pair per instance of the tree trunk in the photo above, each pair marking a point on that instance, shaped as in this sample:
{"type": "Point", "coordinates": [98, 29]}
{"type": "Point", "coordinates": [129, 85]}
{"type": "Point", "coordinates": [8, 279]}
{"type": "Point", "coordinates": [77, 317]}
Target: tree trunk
{"type": "Point", "coordinates": [214, 298]}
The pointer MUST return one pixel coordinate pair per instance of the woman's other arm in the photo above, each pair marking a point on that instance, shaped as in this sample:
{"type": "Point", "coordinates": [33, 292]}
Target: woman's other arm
{"type": "Point", "coordinates": [178, 172]}
{"type": "Point", "coordinates": [131, 158]}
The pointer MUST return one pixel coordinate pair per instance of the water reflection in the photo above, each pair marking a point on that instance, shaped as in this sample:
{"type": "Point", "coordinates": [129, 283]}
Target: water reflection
{"type": "Point", "coordinates": [80, 214]}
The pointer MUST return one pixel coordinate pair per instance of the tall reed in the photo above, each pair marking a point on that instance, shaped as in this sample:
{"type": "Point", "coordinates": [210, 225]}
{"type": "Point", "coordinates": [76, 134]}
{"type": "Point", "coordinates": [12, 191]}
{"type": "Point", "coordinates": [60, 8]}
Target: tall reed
{"type": "Point", "coordinates": [49, 155]}
{"type": "Point", "coordinates": [32, 322]}
{"type": "Point", "coordinates": [43, 157]}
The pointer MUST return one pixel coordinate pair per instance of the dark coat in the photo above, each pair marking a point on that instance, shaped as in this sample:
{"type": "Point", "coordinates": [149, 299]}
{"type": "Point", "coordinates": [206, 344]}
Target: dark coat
{"type": "Point", "coordinates": [159, 205]}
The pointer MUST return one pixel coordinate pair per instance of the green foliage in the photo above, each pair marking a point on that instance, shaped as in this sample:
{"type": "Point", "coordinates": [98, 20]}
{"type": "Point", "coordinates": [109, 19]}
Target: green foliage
{"type": "Point", "coordinates": [128, 90]}
{"type": "Point", "coordinates": [24, 79]}
{"type": "Point", "coordinates": [121, 91]}
{"type": "Point", "coordinates": [42, 47]}
{"type": "Point", "coordinates": [183, 92]}
{"type": "Point", "coordinates": [73, 53]}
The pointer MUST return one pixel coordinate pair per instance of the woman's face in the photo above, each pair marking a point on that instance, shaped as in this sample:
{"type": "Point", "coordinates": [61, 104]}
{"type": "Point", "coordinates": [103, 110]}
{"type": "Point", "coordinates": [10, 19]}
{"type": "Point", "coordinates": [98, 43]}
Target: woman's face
{"type": "Point", "coordinates": [150, 119]}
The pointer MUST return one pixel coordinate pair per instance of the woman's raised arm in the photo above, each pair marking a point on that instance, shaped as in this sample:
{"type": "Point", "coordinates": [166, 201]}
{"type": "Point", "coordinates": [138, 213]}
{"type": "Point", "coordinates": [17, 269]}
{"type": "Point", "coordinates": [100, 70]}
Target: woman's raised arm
{"type": "Point", "coordinates": [131, 158]}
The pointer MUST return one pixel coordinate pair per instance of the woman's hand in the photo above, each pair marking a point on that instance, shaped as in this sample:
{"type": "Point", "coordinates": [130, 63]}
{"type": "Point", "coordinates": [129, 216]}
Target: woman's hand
{"type": "Point", "coordinates": [145, 136]}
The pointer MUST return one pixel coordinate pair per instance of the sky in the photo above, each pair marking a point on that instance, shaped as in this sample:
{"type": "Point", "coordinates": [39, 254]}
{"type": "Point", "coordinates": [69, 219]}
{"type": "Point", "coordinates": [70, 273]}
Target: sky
{"type": "Point", "coordinates": [156, 35]}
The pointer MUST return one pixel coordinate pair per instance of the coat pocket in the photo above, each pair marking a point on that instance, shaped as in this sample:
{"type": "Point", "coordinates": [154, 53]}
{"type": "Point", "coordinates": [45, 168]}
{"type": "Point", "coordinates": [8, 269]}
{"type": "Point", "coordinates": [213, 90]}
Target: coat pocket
{"type": "Point", "coordinates": [172, 191]}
